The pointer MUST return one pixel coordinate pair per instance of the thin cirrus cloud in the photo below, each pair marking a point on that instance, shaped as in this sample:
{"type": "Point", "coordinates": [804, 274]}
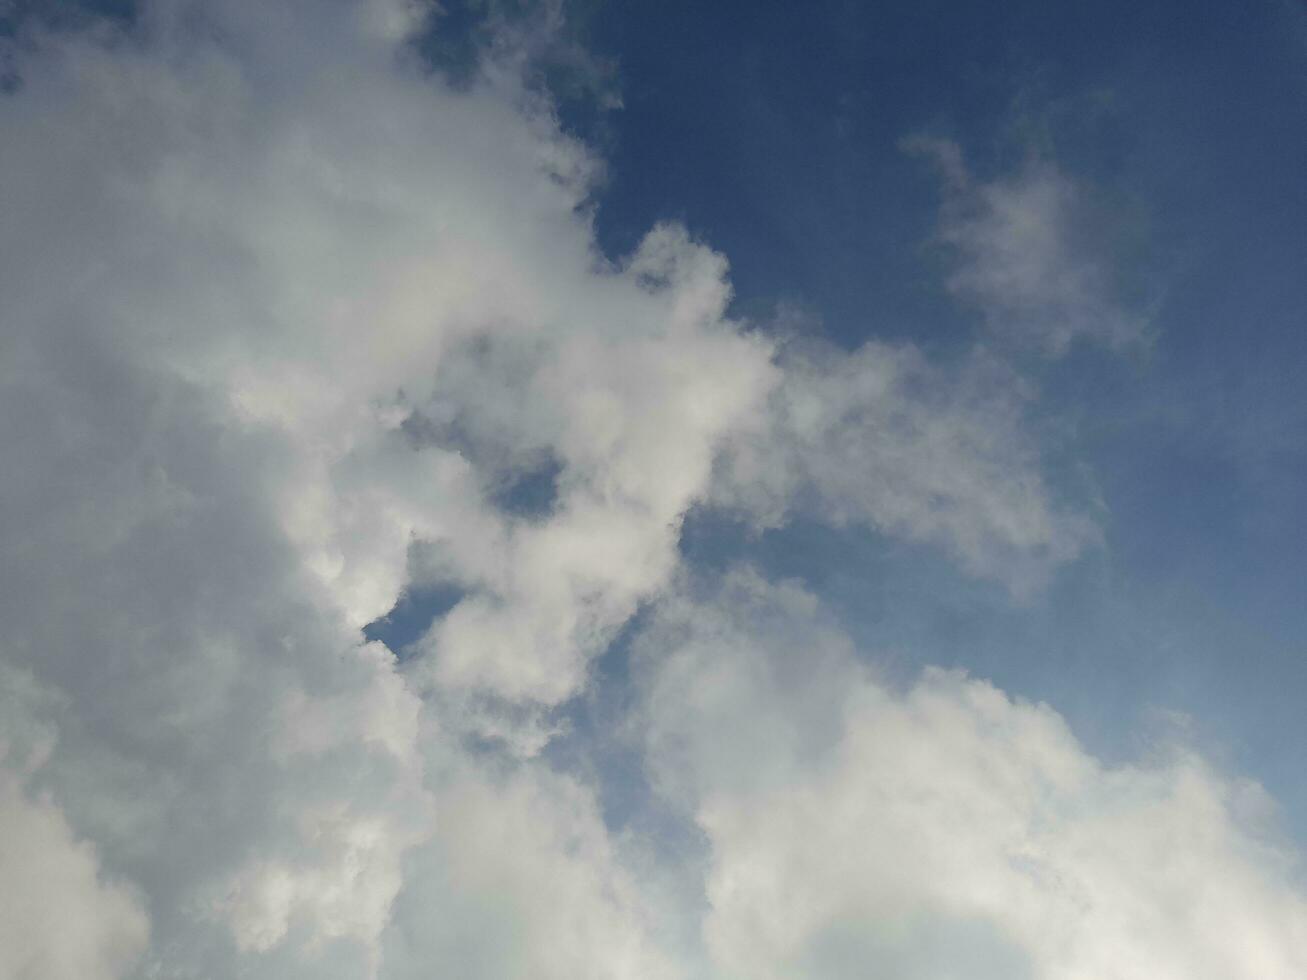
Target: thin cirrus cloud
{"type": "Point", "coordinates": [284, 314]}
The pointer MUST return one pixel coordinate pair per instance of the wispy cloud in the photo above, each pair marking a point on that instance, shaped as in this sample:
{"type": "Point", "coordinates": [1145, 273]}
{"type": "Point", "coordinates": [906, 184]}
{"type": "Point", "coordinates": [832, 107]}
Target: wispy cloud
{"type": "Point", "coordinates": [1028, 254]}
{"type": "Point", "coordinates": [886, 438]}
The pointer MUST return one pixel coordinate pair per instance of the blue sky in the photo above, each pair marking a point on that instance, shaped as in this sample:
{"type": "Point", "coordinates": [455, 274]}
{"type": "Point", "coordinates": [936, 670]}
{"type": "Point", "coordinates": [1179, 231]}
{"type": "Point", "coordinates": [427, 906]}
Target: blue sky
{"type": "Point", "coordinates": [630, 490]}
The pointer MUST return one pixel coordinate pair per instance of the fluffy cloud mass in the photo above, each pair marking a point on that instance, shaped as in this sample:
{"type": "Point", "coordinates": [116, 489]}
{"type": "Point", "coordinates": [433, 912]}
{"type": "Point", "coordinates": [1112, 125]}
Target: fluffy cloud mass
{"type": "Point", "coordinates": [293, 327]}
{"type": "Point", "coordinates": [943, 829]}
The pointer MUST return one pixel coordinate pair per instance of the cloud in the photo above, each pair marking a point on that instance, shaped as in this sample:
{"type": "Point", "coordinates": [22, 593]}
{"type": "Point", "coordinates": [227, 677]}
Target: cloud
{"type": "Point", "coordinates": [285, 317]}
{"type": "Point", "coordinates": [942, 829]}
{"type": "Point", "coordinates": [1034, 255]}
{"type": "Point", "coordinates": [253, 247]}
{"type": "Point", "coordinates": [886, 438]}
{"type": "Point", "coordinates": [631, 416]}
{"type": "Point", "coordinates": [523, 881]}
{"type": "Point", "coordinates": [59, 917]}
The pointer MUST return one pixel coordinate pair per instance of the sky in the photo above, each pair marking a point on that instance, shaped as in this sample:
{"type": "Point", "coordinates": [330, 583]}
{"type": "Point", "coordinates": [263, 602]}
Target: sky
{"type": "Point", "coordinates": [612, 489]}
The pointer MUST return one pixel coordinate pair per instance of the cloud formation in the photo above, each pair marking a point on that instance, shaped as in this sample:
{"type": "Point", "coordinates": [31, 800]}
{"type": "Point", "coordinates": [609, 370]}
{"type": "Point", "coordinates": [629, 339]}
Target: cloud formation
{"type": "Point", "coordinates": [886, 438]}
{"type": "Point", "coordinates": [289, 324]}
{"type": "Point", "coordinates": [59, 917]}
{"type": "Point", "coordinates": [944, 829]}
{"type": "Point", "coordinates": [251, 245]}
{"type": "Point", "coordinates": [1031, 255]}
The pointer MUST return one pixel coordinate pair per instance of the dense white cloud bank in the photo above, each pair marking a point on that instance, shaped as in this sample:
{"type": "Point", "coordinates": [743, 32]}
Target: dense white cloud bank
{"type": "Point", "coordinates": [58, 917]}
{"type": "Point", "coordinates": [248, 246]}
{"type": "Point", "coordinates": [285, 322]}
{"type": "Point", "coordinates": [943, 830]}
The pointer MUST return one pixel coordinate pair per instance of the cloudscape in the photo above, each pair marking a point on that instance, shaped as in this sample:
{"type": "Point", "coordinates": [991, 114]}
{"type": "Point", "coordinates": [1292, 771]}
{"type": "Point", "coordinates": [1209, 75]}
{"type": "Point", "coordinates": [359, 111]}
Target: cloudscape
{"type": "Point", "coordinates": [717, 491]}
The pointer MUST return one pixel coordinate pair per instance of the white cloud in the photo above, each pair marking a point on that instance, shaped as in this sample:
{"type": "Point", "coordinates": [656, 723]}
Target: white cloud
{"type": "Point", "coordinates": [942, 830]}
{"type": "Point", "coordinates": [248, 243]}
{"type": "Point", "coordinates": [1031, 255]}
{"type": "Point", "coordinates": [59, 917]}
{"type": "Point", "coordinates": [283, 317]}
{"type": "Point", "coordinates": [523, 881]}
{"type": "Point", "coordinates": [886, 438]}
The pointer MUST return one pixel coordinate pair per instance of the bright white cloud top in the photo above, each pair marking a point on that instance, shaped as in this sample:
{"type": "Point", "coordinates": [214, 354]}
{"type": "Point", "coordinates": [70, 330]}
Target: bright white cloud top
{"type": "Point", "coordinates": [285, 320]}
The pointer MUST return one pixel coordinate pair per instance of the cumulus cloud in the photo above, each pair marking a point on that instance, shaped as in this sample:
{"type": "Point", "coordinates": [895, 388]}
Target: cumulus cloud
{"type": "Point", "coordinates": [290, 324]}
{"type": "Point", "coordinates": [524, 880]}
{"type": "Point", "coordinates": [59, 917]}
{"type": "Point", "coordinates": [1031, 253]}
{"type": "Point", "coordinates": [253, 247]}
{"type": "Point", "coordinates": [943, 829]}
